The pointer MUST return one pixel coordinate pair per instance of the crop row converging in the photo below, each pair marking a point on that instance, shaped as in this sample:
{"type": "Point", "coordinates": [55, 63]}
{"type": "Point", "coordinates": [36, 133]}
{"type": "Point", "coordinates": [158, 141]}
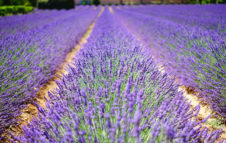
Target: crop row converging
{"type": "Point", "coordinates": [114, 92]}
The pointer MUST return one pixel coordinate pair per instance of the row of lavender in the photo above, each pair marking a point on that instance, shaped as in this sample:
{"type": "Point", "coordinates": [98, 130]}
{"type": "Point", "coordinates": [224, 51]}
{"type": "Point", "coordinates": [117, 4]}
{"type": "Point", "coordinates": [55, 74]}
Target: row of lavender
{"type": "Point", "coordinates": [189, 41]}
{"type": "Point", "coordinates": [116, 94]}
{"type": "Point", "coordinates": [14, 24]}
{"type": "Point", "coordinates": [31, 49]}
{"type": "Point", "coordinates": [208, 16]}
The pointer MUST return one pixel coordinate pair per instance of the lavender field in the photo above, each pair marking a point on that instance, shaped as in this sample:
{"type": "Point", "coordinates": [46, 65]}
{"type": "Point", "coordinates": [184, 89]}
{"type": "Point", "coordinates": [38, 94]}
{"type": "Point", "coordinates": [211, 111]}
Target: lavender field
{"type": "Point", "coordinates": [123, 82]}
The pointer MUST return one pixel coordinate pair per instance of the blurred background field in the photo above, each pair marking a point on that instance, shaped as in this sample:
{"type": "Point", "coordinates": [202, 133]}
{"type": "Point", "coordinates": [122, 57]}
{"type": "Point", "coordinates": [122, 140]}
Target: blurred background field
{"type": "Point", "coordinates": [10, 7]}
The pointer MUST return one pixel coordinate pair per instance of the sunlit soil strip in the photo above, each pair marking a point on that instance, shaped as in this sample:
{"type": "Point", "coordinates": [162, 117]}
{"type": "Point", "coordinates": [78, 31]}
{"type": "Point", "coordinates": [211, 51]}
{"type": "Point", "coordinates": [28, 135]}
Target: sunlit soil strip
{"type": "Point", "coordinates": [111, 10]}
{"type": "Point", "coordinates": [31, 110]}
{"type": "Point", "coordinates": [204, 111]}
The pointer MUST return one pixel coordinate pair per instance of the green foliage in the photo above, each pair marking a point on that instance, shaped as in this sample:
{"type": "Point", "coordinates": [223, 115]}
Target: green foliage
{"type": "Point", "coordinates": [19, 9]}
{"type": "Point", "coordinates": [33, 2]}
{"type": "Point", "coordinates": [16, 2]}
{"type": "Point", "coordinates": [1, 2]}
{"type": "Point", "coordinates": [96, 2]}
{"type": "Point", "coordinates": [57, 4]}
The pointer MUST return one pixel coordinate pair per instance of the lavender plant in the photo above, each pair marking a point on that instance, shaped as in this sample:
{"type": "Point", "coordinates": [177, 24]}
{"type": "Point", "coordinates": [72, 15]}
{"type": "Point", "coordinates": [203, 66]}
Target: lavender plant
{"type": "Point", "coordinates": [193, 50]}
{"type": "Point", "coordinates": [116, 94]}
{"type": "Point", "coordinates": [30, 56]}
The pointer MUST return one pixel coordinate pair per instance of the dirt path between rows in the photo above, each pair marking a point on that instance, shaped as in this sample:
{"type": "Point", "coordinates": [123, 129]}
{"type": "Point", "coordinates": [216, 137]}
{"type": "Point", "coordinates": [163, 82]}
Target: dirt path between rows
{"type": "Point", "coordinates": [194, 101]}
{"type": "Point", "coordinates": [31, 110]}
{"type": "Point", "coordinates": [205, 110]}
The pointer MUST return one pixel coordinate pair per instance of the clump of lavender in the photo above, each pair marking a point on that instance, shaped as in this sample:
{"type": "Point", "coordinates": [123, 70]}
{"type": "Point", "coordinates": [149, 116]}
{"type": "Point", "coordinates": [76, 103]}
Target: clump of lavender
{"type": "Point", "coordinates": [190, 45]}
{"type": "Point", "coordinates": [116, 94]}
{"type": "Point", "coordinates": [31, 49]}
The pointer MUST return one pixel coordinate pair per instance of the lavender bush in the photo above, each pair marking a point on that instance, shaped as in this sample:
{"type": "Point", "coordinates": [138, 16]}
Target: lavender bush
{"type": "Point", "coordinates": [31, 52]}
{"type": "Point", "coordinates": [189, 41]}
{"type": "Point", "coordinates": [116, 94]}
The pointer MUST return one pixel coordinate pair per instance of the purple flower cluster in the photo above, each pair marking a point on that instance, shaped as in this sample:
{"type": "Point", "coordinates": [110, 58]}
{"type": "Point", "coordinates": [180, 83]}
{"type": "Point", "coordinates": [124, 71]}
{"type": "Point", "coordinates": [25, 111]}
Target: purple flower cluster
{"type": "Point", "coordinates": [189, 41]}
{"type": "Point", "coordinates": [31, 49]}
{"type": "Point", "coordinates": [116, 94]}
